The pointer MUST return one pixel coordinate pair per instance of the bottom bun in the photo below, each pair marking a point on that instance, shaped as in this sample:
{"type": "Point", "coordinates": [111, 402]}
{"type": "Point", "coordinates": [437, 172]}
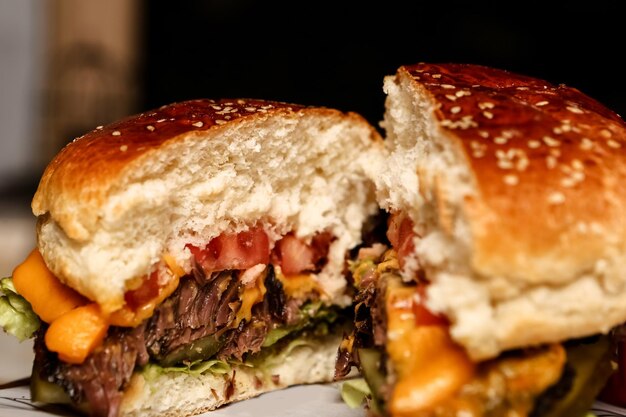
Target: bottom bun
{"type": "Point", "coordinates": [305, 360]}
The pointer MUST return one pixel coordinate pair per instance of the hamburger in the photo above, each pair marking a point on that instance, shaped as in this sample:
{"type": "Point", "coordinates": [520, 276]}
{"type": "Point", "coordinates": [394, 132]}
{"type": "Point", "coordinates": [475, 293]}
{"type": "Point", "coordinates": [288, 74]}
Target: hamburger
{"type": "Point", "coordinates": [193, 256]}
{"type": "Point", "coordinates": [504, 267]}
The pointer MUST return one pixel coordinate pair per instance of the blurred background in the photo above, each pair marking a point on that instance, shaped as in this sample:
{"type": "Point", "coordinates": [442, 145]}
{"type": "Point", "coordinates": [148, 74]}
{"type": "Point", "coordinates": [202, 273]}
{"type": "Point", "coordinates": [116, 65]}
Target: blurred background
{"type": "Point", "coordinates": [67, 66]}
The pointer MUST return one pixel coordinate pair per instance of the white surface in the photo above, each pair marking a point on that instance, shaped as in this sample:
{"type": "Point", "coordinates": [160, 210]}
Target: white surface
{"type": "Point", "coordinates": [302, 401]}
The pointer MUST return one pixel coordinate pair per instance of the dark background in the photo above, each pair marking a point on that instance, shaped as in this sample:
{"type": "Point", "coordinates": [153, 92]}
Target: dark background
{"type": "Point", "coordinates": [336, 53]}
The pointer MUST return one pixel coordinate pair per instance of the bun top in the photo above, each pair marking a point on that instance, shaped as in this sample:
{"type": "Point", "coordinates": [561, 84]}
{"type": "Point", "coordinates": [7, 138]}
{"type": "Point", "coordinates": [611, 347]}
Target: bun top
{"type": "Point", "coordinates": [115, 201]}
{"type": "Point", "coordinates": [521, 204]}
{"type": "Point", "coordinates": [548, 162]}
{"type": "Point", "coordinates": [82, 174]}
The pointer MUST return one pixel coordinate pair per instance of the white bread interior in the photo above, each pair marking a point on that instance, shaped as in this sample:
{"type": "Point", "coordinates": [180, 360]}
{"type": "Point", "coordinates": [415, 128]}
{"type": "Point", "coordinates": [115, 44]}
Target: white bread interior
{"type": "Point", "coordinates": [287, 170]}
{"type": "Point", "coordinates": [177, 394]}
{"type": "Point", "coordinates": [574, 289]}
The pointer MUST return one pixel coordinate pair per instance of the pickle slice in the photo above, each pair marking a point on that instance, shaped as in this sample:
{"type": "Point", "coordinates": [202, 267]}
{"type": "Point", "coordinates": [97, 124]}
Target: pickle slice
{"type": "Point", "coordinates": [589, 363]}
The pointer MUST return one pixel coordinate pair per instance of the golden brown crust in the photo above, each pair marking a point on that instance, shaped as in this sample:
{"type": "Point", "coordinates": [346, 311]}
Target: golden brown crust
{"type": "Point", "coordinates": [548, 165]}
{"type": "Point", "coordinates": [80, 177]}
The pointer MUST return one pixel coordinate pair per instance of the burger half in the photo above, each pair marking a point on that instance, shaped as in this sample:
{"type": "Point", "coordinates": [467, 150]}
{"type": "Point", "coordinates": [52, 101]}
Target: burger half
{"type": "Point", "coordinates": [504, 269]}
{"type": "Point", "coordinates": [193, 256]}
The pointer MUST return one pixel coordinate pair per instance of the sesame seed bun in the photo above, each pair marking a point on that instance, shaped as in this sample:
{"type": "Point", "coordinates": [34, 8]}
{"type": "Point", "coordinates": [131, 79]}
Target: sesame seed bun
{"type": "Point", "coordinates": [521, 205]}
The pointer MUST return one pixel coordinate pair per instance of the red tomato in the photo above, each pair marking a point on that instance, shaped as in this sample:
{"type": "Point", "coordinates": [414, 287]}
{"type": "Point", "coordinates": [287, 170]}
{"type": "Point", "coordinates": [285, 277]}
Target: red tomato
{"type": "Point", "coordinates": [234, 251]}
{"type": "Point", "coordinates": [423, 316]}
{"type": "Point", "coordinates": [401, 236]}
{"type": "Point", "coordinates": [148, 290]}
{"type": "Point", "coordinates": [294, 256]}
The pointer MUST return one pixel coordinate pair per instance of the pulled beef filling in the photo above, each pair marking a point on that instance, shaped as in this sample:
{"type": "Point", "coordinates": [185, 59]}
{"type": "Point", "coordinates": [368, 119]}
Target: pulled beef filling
{"type": "Point", "coordinates": [197, 317]}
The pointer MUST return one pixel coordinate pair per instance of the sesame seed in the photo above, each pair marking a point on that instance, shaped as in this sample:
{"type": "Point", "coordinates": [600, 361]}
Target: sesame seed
{"type": "Point", "coordinates": [448, 86]}
{"type": "Point", "coordinates": [586, 144]}
{"type": "Point", "coordinates": [462, 93]}
{"type": "Point", "coordinates": [505, 164]}
{"type": "Point", "coordinates": [455, 109]}
{"type": "Point", "coordinates": [116, 133]}
{"type": "Point", "coordinates": [613, 144]}
{"type": "Point", "coordinates": [534, 144]}
{"type": "Point", "coordinates": [464, 123]}
{"type": "Point", "coordinates": [198, 124]}
{"type": "Point", "coordinates": [217, 107]}
{"type": "Point", "coordinates": [574, 110]}
{"type": "Point", "coordinates": [417, 77]}
{"type": "Point", "coordinates": [436, 75]}
{"type": "Point", "coordinates": [541, 103]}
{"type": "Point", "coordinates": [488, 114]}
{"type": "Point", "coordinates": [551, 141]}
{"type": "Point", "coordinates": [578, 165]}
{"type": "Point", "coordinates": [220, 122]}
{"type": "Point", "coordinates": [606, 133]}
{"type": "Point", "coordinates": [578, 176]}
{"type": "Point", "coordinates": [550, 161]}
{"type": "Point", "coordinates": [555, 152]}
{"type": "Point", "coordinates": [511, 179]}
{"type": "Point", "coordinates": [486, 105]}
{"type": "Point", "coordinates": [451, 97]}
{"type": "Point", "coordinates": [241, 102]}
{"type": "Point", "coordinates": [500, 140]}
{"type": "Point", "coordinates": [123, 148]}
{"type": "Point", "coordinates": [522, 88]}
{"type": "Point", "coordinates": [484, 134]}
{"type": "Point", "coordinates": [250, 109]}
{"type": "Point", "coordinates": [568, 182]}
{"type": "Point", "coordinates": [160, 120]}
{"type": "Point", "coordinates": [150, 128]}
{"type": "Point", "coordinates": [557, 130]}
{"type": "Point", "coordinates": [522, 163]}
{"type": "Point", "coordinates": [99, 127]}
{"type": "Point", "coordinates": [556, 198]}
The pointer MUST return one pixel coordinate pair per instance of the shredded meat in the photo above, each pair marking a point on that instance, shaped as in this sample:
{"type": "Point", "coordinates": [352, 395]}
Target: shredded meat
{"type": "Point", "coordinates": [202, 306]}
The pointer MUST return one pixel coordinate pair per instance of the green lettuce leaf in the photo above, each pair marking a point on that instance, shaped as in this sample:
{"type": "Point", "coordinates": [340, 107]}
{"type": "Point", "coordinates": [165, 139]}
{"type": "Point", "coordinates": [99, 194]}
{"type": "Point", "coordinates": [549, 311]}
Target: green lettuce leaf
{"type": "Point", "coordinates": [16, 315]}
{"type": "Point", "coordinates": [214, 366]}
{"type": "Point", "coordinates": [354, 392]}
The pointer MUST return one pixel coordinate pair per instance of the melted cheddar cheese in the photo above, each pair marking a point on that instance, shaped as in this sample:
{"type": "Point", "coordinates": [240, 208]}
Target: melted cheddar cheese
{"type": "Point", "coordinates": [251, 295]}
{"type": "Point", "coordinates": [428, 365]}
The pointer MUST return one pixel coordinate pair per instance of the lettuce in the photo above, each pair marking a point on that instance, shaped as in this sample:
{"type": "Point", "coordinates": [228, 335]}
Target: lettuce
{"type": "Point", "coordinates": [354, 392]}
{"type": "Point", "coordinates": [16, 315]}
{"type": "Point", "coordinates": [151, 371]}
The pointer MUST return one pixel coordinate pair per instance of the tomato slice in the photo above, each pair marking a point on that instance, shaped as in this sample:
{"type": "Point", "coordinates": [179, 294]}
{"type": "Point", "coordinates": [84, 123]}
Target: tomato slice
{"type": "Point", "coordinates": [401, 236]}
{"type": "Point", "coordinates": [234, 251]}
{"type": "Point", "coordinates": [148, 290]}
{"type": "Point", "coordinates": [295, 256]}
{"type": "Point", "coordinates": [423, 316]}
